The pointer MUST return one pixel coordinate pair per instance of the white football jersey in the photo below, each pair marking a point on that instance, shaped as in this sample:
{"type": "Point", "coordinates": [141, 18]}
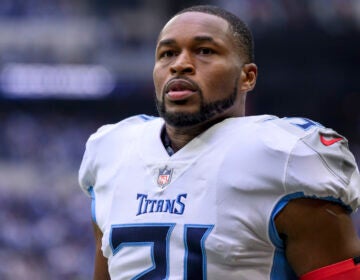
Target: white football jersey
{"type": "Point", "coordinates": [207, 212]}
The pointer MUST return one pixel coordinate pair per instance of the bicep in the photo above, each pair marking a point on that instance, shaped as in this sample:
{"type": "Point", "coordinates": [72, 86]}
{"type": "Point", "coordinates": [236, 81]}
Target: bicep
{"type": "Point", "coordinates": [101, 266]}
{"type": "Point", "coordinates": [316, 233]}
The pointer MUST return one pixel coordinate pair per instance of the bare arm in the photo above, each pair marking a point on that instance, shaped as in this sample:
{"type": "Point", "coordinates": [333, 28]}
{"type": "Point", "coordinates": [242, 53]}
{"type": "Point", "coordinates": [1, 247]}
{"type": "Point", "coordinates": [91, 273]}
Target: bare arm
{"type": "Point", "coordinates": [101, 267]}
{"type": "Point", "coordinates": [316, 233]}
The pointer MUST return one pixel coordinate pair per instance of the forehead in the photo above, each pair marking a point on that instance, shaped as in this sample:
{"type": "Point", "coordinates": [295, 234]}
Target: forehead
{"type": "Point", "coordinates": [192, 24]}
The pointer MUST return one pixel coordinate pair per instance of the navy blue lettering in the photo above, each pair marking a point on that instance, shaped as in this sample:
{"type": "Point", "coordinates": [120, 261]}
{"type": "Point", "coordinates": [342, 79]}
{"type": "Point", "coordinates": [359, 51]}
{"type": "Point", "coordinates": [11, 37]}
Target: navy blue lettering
{"type": "Point", "coordinates": [152, 203]}
{"type": "Point", "coordinates": [172, 206]}
{"type": "Point", "coordinates": [160, 206]}
{"type": "Point", "coordinates": [142, 197]}
{"type": "Point", "coordinates": [180, 203]}
{"type": "Point", "coordinates": [169, 206]}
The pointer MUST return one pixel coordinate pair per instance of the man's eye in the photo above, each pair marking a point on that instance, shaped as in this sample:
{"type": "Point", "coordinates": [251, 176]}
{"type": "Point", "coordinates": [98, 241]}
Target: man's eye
{"type": "Point", "coordinates": [167, 54]}
{"type": "Point", "coordinates": [206, 51]}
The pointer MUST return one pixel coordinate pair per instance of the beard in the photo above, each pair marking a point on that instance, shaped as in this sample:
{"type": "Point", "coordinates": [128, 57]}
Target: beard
{"type": "Point", "coordinates": [206, 111]}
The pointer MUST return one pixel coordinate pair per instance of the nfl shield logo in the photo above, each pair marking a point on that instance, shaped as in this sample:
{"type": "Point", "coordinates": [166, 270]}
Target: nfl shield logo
{"type": "Point", "coordinates": [164, 176]}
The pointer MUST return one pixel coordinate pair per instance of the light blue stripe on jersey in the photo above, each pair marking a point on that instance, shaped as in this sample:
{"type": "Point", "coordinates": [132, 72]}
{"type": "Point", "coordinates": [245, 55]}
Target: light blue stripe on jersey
{"type": "Point", "coordinates": [146, 117]}
{"type": "Point", "coordinates": [92, 194]}
{"type": "Point", "coordinates": [281, 269]}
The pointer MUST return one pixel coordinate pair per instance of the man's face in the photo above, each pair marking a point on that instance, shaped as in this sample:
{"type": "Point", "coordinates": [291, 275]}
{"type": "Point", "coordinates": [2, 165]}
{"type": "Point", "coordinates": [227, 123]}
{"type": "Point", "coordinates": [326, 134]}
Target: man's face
{"type": "Point", "coordinates": [197, 70]}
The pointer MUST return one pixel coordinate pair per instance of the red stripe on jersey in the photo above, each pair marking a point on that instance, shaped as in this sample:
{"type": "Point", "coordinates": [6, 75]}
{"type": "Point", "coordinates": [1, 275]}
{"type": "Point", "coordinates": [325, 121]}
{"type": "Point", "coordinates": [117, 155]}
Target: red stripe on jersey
{"type": "Point", "coordinates": [344, 270]}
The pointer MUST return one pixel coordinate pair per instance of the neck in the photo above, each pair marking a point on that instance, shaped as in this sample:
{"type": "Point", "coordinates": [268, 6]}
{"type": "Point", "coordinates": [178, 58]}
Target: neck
{"type": "Point", "coordinates": [180, 136]}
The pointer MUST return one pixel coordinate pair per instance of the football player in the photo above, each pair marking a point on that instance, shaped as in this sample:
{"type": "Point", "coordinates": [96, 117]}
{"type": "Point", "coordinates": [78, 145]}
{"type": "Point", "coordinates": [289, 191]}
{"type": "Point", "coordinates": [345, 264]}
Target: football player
{"type": "Point", "coordinates": [205, 192]}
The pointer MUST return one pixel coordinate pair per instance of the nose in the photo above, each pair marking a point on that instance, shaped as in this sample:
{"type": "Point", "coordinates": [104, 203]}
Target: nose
{"type": "Point", "coordinates": [183, 64]}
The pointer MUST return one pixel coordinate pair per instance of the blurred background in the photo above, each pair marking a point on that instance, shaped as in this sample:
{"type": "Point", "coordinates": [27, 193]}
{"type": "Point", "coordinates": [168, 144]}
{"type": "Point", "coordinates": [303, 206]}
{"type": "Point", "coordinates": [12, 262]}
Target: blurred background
{"type": "Point", "coordinates": [69, 66]}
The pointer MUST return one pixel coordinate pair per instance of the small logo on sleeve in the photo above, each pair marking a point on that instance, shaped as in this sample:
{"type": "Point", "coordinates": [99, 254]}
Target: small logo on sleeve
{"type": "Point", "coordinates": [329, 140]}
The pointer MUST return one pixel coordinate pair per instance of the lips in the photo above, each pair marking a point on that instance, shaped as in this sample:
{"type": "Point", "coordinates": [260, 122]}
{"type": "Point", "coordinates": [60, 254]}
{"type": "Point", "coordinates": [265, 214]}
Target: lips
{"type": "Point", "coordinates": [179, 89]}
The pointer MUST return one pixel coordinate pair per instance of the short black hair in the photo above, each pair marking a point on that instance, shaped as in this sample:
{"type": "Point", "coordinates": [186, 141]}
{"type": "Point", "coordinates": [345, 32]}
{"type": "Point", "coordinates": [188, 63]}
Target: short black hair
{"type": "Point", "coordinates": [241, 32]}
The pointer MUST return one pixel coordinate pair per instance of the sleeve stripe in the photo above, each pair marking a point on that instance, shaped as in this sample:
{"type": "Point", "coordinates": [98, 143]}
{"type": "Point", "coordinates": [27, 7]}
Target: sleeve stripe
{"type": "Point", "coordinates": [92, 195]}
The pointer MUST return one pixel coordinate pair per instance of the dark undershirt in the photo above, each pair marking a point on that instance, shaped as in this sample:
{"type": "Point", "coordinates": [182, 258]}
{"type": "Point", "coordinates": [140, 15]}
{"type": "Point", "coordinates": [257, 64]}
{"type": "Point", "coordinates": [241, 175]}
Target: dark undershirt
{"type": "Point", "coordinates": [166, 142]}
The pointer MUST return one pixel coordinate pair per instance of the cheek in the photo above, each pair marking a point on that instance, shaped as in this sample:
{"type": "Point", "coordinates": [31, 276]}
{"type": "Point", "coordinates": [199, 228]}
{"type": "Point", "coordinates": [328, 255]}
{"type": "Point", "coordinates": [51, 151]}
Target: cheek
{"type": "Point", "coordinates": [220, 82]}
{"type": "Point", "coordinates": [158, 82]}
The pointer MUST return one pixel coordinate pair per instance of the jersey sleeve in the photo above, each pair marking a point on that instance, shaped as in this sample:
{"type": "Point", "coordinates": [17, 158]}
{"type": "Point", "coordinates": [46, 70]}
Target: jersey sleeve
{"type": "Point", "coordinates": [100, 145]}
{"type": "Point", "coordinates": [86, 178]}
{"type": "Point", "coordinates": [320, 165]}
{"type": "Point", "coordinates": [103, 154]}
{"type": "Point", "coordinates": [87, 171]}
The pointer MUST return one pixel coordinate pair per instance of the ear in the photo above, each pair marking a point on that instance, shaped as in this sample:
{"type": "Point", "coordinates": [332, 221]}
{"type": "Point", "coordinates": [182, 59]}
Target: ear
{"type": "Point", "coordinates": [248, 77]}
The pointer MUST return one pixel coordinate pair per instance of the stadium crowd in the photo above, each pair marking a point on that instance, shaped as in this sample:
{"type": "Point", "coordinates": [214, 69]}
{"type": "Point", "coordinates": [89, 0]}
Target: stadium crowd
{"type": "Point", "coordinates": [45, 231]}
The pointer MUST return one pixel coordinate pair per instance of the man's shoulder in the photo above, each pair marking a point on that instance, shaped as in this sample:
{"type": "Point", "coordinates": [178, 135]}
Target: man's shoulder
{"type": "Point", "coordinates": [296, 129]}
{"type": "Point", "coordinates": [285, 133]}
{"type": "Point", "coordinates": [269, 126]}
{"type": "Point", "coordinates": [124, 128]}
{"type": "Point", "coordinates": [313, 134]}
{"type": "Point", "coordinates": [293, 126]}
{"type": "Point", "coordinates": [111, 142]}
